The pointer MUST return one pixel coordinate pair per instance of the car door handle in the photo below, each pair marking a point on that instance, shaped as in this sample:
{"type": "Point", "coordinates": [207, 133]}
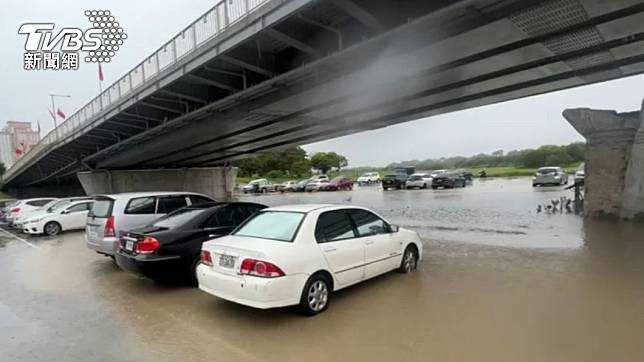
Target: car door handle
{"type": "Point", "coordinates": [330, 249]}
{"type": "Point", "coordinates": [370, 242]}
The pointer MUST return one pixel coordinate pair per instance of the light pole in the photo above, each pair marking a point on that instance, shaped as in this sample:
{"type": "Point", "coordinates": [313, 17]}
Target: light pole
{"type": "Point", "coordinates": [53, 108]}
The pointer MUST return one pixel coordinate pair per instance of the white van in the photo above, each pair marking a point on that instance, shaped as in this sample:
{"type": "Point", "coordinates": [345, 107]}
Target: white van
{"type": "Point", "coordinates": [112, 214]}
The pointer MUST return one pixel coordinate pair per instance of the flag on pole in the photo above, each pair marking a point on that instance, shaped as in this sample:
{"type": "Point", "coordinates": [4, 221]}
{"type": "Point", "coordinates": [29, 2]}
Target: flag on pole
{"type": "Point", "coordinates": [100, 73]}
{"type": "Point", "coordinates": [18, 152]}
{"type": "Point", "coordinates": [61, 114]}
{"type": "Point", "coordinates": [38, 122]}
{"type": "Point", "coordinates": [51, 113]}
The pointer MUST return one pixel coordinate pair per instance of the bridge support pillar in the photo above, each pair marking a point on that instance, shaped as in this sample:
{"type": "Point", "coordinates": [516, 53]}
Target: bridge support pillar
{"type": "Point", "coordinates": [614, 177]}
{"type": "Point", "coordinates": [217, 182]}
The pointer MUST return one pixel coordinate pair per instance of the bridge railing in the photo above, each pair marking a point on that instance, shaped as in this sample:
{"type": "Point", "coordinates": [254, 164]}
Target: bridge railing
{"type": "Point", "coordinates": [213, 22]}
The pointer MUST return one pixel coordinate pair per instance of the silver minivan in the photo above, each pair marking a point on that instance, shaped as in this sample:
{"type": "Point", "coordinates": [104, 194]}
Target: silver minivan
{"type": "Point", "coordinates": [112, 214]}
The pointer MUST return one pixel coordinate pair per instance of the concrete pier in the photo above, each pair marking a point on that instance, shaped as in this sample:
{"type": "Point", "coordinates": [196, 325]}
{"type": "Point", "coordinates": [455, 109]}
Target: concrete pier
{"type": "Point", "coordinates": [614, 180]}
{"type": "Point", "coordinates": [218, 182]}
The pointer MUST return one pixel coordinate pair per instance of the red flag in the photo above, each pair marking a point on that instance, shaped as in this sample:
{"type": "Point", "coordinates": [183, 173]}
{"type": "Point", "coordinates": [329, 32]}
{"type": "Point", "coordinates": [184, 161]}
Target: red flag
{"type": "Point", "coordinates": [61, 114]}
{"type": "Point", "coordinates": [19, 152]}
{"type": "Point", "coordinates": [100, 73]}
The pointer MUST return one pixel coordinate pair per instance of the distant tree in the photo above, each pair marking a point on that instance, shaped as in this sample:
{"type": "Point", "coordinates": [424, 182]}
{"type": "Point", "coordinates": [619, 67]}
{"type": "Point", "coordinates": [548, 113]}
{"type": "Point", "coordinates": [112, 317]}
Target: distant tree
{"type": "Point", "coordinates": [291, 161]}
{"type": "Point", "coordinates": [325, 161]}
{"type": "Point", "coordinates": [497, 153]}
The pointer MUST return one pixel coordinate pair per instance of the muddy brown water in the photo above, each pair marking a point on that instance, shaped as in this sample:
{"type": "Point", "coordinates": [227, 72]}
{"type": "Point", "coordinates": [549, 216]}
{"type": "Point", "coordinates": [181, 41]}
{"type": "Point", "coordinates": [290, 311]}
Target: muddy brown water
{"type": "Point", "coordinates": [562, 289]}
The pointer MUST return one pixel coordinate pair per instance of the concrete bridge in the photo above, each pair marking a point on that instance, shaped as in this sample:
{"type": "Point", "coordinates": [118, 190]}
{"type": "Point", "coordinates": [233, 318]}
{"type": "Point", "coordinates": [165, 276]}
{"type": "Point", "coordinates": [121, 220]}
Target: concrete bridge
{"type": "Point", "coordinates": [251, 76]}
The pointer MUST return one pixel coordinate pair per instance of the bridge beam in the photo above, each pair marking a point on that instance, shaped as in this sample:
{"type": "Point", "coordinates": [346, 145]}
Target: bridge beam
{"type": "Point", "coordinates": [614, 175]}
{"type": "Point", "coordinates": [217, 182]}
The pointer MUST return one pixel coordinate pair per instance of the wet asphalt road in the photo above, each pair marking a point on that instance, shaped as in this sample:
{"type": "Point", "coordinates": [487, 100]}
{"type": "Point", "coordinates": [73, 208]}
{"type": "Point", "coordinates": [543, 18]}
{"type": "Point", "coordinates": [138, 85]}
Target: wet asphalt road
{"type": "Point", "coordinates": [499, 283]}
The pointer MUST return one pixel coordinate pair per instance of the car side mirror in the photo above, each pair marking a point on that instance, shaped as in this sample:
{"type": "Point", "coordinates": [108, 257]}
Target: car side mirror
{"type": "Point", "coordinates": [393, 228]}
{"type": "Point", "coordinates": [64, 212]}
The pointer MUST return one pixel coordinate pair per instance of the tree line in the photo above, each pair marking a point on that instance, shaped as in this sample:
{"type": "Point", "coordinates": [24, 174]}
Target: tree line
{"type": "Point", "coordinates": [292, 162]}
{"type": "Point", "coordinates": [549, 155]}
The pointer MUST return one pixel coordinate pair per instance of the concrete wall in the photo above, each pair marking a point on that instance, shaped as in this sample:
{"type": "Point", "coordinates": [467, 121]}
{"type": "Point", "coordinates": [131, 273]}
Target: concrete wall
{"type": "Point", "coordinates": [614, 162]}
{"type": "Point", "coordinates": [218, 182]}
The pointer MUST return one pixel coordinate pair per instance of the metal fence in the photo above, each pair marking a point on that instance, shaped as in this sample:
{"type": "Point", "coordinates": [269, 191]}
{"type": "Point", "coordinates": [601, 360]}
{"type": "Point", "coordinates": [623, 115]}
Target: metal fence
{"type": "Point", "coordinates": [213, 22]}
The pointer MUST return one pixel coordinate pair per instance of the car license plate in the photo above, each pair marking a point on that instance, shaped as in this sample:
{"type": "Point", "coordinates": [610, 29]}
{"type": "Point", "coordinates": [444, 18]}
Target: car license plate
{"type": "Point", "coordinates": [129, 245]}
{"type": "Point", "coordinates": [227, 261]}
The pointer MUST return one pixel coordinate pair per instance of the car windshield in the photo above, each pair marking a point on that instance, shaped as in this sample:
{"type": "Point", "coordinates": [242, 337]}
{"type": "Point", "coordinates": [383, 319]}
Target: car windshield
{"type": "Point", "coordinates": [390, 176]}
{"type": "Point", "coordinates": [177, 218]}
{"type": "Point", "coordinates": [415, 178]}
{"type": "Point", "coordinates": [546, 171]}
{"type": "Point", "coordinates": [102, 208]}
{"type": "Point", "coordinates": [274, 225]}
{"type": "Point", "coordinates": [58, 205]}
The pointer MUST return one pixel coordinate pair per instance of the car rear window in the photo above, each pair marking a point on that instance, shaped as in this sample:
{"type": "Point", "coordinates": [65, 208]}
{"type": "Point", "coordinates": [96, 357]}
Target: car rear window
{"type": "Point", "coordinates": [178, 218]}
{"type": "Point", "coordinates": [170, 203]}
{"type": "Point", "coordinates": [274, 225]}
{"type": "Point", "coordinates": [545, 171]}
{"type": "Point", "coordinates": [102, 208]}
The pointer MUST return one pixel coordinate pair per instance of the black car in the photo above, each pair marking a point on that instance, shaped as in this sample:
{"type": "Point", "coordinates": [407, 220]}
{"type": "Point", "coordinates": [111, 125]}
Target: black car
{"type": "Point", "coordinates": [395, 181]}
{"type": "Point", "coordinates": [448, 181]}
{"type": "Point", "coordinates": [170, 247]}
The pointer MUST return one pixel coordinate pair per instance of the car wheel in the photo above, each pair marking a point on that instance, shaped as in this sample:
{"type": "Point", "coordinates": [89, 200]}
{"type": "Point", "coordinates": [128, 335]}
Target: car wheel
{"type": "Point", "coordinates": [315, 296]}
{"type": "Point", "coordinates": [192, 273]}
{"type": "Point", "coordinates": [434, 187]}
{"type": "Point", "coordinates": [424, 186]}
{"type": "Point", "coordinates": [52, 228]}
{"type": "Point", "coordinates": [409, 260]}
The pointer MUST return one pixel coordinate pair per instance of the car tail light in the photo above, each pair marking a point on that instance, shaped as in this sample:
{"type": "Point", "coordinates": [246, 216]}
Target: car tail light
{"type": "Point", "coordinates": [147, 245]}
{"type": "Point", "coordinates": [206, 258]}
{"type": "Point", "coordinates": [15, 209]}
{"type": "Point", "coordinates": [260, 268]}
{"type": "Point", "coordinates": [110, 227]}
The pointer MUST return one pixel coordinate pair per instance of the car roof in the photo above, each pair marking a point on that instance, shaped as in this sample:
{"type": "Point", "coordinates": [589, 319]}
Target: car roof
{"type": "Point", "coordinates": [306, 208]}
{"type": "Point", "coordinates": [38, 198]}
{"type": "Point", "coordinates": [147, 193]}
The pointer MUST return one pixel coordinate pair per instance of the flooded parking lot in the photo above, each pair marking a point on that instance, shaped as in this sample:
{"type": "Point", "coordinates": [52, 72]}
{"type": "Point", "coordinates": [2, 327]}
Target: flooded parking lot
{"type": "Point", "coordinates": [499, 283]}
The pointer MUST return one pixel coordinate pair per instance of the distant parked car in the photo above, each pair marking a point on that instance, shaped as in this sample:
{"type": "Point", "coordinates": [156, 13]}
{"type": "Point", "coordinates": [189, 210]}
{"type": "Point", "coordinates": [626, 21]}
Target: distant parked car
{"type": "Point", "coordinates": [467, 174]}
{"type": "Point", "coordinates": [287, 186]}
{"type": "Point", "coordinates": [261, 185]}
{"type": "Point", "coordinates": [339, 183]}
{"type": "Point", "coordinates": [112, 214]}
{"type": "Point", "coordinates": [580, 175]}
{"type": "Point", "coordinates": [448, 180]}
{"type": "Point", "coordinates": [26, 205]}
{"type": "Point", "coordinates": [70, 215]}
{"type": "Point", "coordinates": [550, 176]}
{"type": "Point", "coordinates": [368, 178]}
{"type": "Point", "coordinates": [319, 177]}
{"type": "Point", "coordinates": [316, 250]}
{"type": "Point", "coordinates": [435, 173]}
{"type": "Point", "coordinates": [170, 246]}
{"type": "Point", "coordinates": [394, 181]}
{"type": "Point", "coordinates": [419, 181]}
{"type": "Point", "coordinates": [301, 185]}
{"type": "Point", "coordinates": [5, 205]}
{"type": "Point", "coordinates": [54, 205]}
{"type": "Point", "coordinates": [316, 185]}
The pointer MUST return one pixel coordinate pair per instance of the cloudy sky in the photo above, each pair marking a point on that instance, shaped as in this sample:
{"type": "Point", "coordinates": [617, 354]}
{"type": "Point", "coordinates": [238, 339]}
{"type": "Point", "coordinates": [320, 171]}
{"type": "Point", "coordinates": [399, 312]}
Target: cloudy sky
{"type": "Point", "coordinates": [523, 123]}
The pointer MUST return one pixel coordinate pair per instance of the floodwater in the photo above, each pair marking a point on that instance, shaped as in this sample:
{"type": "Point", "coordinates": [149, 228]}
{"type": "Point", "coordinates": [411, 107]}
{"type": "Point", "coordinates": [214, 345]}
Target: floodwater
{"type": "Point", "coordinates": [566, 289]}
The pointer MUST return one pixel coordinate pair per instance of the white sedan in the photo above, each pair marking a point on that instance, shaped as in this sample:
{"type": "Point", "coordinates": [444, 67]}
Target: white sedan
{"type": "Point", "coordinates": [71, 216]}
{"type": "Point", "coordinates": [299, 254]}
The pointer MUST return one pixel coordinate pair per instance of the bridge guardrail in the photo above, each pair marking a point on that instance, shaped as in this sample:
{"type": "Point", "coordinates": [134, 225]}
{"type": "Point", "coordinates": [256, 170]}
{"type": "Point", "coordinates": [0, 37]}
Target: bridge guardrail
{"type": "Point", "coordinates": [213, 22]}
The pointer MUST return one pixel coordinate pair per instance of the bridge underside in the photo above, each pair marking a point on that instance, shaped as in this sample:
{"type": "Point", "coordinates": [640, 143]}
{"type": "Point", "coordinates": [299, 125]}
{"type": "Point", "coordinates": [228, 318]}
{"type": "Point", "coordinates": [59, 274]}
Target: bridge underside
{"type": "Point", "coordinates": [336, 67]}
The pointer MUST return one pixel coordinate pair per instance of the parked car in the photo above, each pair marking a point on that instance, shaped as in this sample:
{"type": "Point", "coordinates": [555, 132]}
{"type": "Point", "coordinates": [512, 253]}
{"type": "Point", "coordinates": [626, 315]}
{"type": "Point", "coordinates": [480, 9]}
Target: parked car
{"type": "Point", "coordinates": [435, 173]}
{"type": "Point", "coordinates": [170, 246]}
{"type": "Point", "coordinates": [580, 175]}
{"type": "Point", "coordinates": [301, 185]}
{"type": "Point", "coordinates": [4, 207]}
{"type": "Point", "coordinates": [261, 185]}
{"type": "Point", "coordinates": [26, 205]}
{"type": "Point", "coordinates": [316, 185]}
{"type": "Point", "coordinates": [550, 176]}
{"type": "Point", "coordinates": [368, 178]}
{"type": "Point", "coordinates": [317, 249]}
{"type": "Point", "coordinates": [61, 217]}
{"type": "Point", "coordinates": [287, 186]}
{"type": "Point", "coordinates": [56, 204]}
{"type": "Point", "coordinates": [448, 180]}
{"type": "Point", "coordinates": [396, 181]}
{"type": "Point", "coordinates": [419, 181]}
{"type": "Point", "coordinates": [407, 170]}
{"type": "Point", "coordinates": [339, 183]}
{"type": "Point", "coordinates": [467, 174]}
{"type": "Point", "coordinates": [112, 214]}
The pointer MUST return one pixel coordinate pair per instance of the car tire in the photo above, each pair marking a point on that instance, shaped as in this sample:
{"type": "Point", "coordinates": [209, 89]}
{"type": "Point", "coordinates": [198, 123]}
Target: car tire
{"type": "Point", "coordinates": [409, 261]}
{"type": "Point", "coordinates": [424, 186]}
{"type": "Point", "coordinates": [52, 228]}
{"type": "Point", "coordinates": [315, 295]}
{"type": "Point", "coordinates": [434, 187]}
{"type": "Point", "coordinates": [192, 273]}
